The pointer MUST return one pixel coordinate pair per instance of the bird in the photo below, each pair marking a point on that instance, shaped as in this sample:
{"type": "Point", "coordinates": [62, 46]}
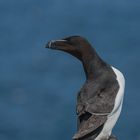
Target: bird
{"type": "Point", "coordinates": [100, 99]}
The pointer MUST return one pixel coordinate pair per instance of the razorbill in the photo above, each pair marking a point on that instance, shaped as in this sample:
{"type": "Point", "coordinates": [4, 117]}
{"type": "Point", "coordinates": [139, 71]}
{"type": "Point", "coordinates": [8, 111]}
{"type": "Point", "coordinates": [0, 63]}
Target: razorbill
{"type": "Point", "coordinates": [99, 102]}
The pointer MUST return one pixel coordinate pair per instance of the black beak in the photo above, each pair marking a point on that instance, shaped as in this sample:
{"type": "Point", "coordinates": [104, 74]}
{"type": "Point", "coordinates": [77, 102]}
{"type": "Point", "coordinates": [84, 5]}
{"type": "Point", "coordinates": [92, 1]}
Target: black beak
{"type": "Point", "coordinates": [53, 43]}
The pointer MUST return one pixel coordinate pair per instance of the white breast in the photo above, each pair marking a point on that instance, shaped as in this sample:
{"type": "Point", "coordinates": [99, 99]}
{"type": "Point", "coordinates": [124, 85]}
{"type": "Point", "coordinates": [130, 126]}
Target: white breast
{"type": "Point", "coordinates": [114, 115]}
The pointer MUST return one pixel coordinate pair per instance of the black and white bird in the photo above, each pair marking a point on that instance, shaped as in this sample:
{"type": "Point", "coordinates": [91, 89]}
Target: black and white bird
{"type": "Point", "coordinates": [99, 102]}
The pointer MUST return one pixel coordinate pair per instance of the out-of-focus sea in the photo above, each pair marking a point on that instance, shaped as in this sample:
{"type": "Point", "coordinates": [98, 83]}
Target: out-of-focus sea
{"type": "Point", "coordinates": [38, 86]}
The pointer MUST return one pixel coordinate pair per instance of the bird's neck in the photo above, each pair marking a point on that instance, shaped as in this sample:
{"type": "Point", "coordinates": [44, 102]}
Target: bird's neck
{"type": "Point", "coordinates": [92, 64]}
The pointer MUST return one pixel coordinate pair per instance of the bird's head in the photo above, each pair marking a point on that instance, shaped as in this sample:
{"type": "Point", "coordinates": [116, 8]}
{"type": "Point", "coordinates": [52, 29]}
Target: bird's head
{"type": "Point", "coordinates": [74, 45]}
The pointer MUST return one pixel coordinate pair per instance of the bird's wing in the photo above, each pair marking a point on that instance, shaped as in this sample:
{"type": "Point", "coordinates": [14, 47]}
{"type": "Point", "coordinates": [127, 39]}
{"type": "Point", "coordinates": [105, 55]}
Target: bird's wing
{"type": "Point", "coordinates": [99, 99]}
{"type": "Point", "coordinates": [103, 101]}
{"type": "Point", "coordinates": [91, 127]}
{"type": "Point", "coordinates": [96, 108]}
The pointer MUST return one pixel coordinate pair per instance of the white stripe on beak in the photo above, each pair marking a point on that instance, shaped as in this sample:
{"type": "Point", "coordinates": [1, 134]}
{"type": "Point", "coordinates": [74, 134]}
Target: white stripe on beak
{"type": "Point", "coordinates": [52, 41]}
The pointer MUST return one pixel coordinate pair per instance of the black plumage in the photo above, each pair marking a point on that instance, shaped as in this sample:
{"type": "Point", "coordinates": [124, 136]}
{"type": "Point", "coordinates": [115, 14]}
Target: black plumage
{"type": "Point", "coordinates": [96, 98]}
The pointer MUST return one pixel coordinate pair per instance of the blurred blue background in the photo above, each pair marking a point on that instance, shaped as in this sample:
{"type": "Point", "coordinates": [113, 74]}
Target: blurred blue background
{"type": "Point", "coordinates": [38, 86]}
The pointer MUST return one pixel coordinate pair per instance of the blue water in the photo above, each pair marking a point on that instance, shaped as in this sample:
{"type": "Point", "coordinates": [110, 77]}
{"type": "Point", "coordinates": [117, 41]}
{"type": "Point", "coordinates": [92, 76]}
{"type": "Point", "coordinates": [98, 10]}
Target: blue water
{"type": "Point", "coordinates": [38, 86]}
